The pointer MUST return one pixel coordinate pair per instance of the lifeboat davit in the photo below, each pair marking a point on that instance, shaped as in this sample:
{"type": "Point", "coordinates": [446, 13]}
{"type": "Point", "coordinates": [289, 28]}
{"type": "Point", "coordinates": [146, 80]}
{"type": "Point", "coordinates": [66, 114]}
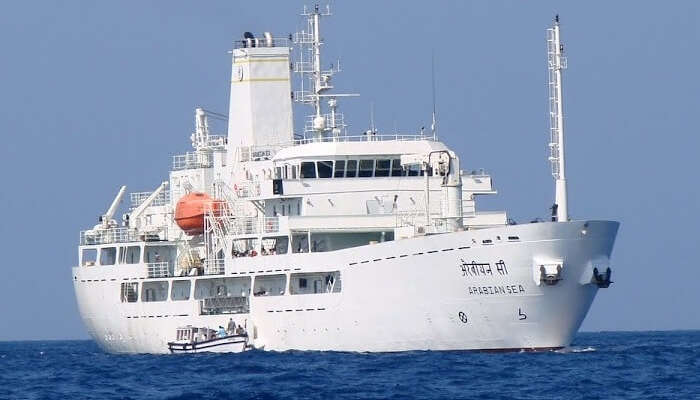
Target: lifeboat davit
{"type": "Point", "coordinates": [190, 210]}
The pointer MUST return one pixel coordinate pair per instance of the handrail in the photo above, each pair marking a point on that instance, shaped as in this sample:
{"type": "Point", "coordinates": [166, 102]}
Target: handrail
{"type": "Point", "coordinates": [260, 42]}
{"type": "Point", "coordinates": [266, 152]}
{"type": "Point", "coordinates": [159, 269]}
{"type": "Point", "coordinates": [224, 305]}
{"type": "Point", "coordinates": [120, 235]}
{"type": "Point", "coordinates": [137, 198]}
{"type": "Point", "coordinates": [366, 138]}
{"type": "Point", "coordinates": [214, 266]}
{"type": "Point", "coordinates": [192, 160]}
{"type": "Point", "coordinates": [106, 236]}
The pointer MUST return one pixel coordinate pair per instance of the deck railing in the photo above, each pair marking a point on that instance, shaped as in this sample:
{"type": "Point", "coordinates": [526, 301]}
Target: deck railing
{"type": "Point", "coordinates": [214, 266]}
{"type": "Point", "coordinates": [120, 235]}
{"type": "Point", "coordinates": [158, 269]}
{"type": "Point", "coordinates": [247, 189]}
{"type": "Point", "coordinates": [224, 305]}
{"type": "Point", "coordinates": [192, 160]}
{"type": "Point", "coordinates": [106, 236]}
{"type": "Point", "coordinates": [162, 199]}
{"type": "Point", "coordinates": [267, 152]}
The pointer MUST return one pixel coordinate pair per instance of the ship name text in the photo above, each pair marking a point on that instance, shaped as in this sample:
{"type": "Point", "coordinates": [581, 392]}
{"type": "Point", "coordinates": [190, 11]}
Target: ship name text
{"type": "Point", "coordinates": [476, 269]}
{"type": "Point", "coordinates": [500, 289]}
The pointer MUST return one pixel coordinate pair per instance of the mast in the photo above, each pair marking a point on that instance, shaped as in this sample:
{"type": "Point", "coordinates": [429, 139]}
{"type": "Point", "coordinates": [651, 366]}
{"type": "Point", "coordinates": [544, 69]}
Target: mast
{"type": "Point", "coordinates": [316, 81]}
{"type": "Point", "coordinates": [556, 63]}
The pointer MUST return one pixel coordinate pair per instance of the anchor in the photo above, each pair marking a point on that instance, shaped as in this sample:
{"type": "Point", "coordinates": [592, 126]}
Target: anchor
{"type": "Point", "coordinates": [602, 280]}
{"type": "Point", "coordinates": [548, 277]}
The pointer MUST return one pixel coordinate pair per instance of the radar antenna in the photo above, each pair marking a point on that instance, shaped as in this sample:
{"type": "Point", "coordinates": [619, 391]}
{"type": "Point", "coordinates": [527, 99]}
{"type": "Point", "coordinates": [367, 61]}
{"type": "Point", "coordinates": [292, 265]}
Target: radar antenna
{"type": "Point", "coordinates": [556, 63]}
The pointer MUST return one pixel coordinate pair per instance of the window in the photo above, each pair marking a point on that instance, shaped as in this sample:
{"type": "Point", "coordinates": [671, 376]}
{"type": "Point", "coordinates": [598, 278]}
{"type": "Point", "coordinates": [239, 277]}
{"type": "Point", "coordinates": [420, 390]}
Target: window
{"type": "Point", "coordinates": [366, 167]}
{"type": "Point", "coordinates": [155, 254]}
{"type": "Point", "coordinates": [308, 170]}
{"type": "Point", "coordinates": [154, 291]}
{"type": "Point", "coordinates": [325, 169]}
{"type": "Point", "coordinates": [351, 171]}
{"type": "Point", "coordinates": [89, 257]}
{"type": "Point", "coordinates": [339, 169]}
{"type": "Point", "coordinates": [129, 292]}
{"type": "Point", "coordinates": [321, 282]}
{"type": "Point", "coordinates": [130, 255]}
{"type": "Point", "coordinates": [221, 287]}
{"type": "Point", "coordinates": [414, 170]}
{"type": "Point", "coordinates": [108, 255]}
{"type": "Point", "coordinates": [223, 295]}
{"type": "Point", "coordinates": [181, 290]}
{"type": "Point", "coordinates": [396, 169]}
{"type": "Point", "coordinates": [270, 285]}
{"type": "Point", "coordinates": [383, 167]}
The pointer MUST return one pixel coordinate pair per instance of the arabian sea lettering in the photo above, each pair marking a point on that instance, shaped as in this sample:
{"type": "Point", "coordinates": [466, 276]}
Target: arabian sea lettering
{"type": "Point", "coordinates": [500, 289]}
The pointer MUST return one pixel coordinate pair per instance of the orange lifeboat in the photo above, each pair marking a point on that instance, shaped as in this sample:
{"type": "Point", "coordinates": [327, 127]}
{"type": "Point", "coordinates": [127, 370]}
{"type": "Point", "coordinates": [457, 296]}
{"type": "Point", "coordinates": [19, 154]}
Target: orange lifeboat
{"type": "Point", "coordinates": [190, 210]}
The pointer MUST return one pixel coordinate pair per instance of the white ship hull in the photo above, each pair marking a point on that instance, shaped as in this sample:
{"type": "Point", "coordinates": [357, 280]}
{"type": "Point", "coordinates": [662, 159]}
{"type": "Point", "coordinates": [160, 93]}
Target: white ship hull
{"type": "Point", "coordinates": [411, 294]}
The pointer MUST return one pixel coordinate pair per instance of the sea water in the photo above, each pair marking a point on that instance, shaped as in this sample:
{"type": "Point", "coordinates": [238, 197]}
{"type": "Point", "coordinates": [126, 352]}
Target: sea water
{"type": "Point", "coordinates": [633, 365]}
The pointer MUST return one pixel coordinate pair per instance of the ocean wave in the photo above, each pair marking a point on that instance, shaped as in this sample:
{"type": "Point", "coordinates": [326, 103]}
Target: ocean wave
{"type": "Point", "coordinates": [614, 365]}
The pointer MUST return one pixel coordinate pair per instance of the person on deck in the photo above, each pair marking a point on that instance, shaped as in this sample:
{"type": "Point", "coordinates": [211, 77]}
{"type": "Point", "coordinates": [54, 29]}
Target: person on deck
{"type": "Point", "coordinates": [231, 328]}
{"type": "Point", "coordinates": [222, 331]}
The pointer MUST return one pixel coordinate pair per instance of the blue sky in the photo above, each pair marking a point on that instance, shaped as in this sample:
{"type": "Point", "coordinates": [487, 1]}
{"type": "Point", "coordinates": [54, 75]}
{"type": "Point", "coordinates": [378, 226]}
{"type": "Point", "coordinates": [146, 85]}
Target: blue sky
{"type": "Point", "coordinates": [98, 94]}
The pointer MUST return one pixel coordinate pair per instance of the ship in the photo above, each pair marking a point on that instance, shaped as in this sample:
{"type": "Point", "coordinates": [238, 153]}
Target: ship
{"type": "Point", "coordinates": [320, 239]}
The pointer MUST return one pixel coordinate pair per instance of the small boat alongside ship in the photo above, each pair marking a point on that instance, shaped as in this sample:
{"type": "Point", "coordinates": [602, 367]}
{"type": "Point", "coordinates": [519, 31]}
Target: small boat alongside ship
{"type": "Point", "coordinates": [190, 339]}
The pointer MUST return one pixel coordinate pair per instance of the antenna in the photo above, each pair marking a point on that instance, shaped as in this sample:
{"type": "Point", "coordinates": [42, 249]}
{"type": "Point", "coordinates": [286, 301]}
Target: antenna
{"type": "Point", "coordinates": [371, 117]}
{"type": "Point", "coordinates": [433, 125]}
{"type": "Point", "coordinates": [315, 81]}
{"type": "Point", "coordinates": [556, 63]}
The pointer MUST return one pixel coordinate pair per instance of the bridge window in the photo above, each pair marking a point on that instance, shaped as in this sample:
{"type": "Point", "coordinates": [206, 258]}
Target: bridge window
{"type": "Point", "coordinates": [108, 255]}
{"type": "Point", "coordinates": [396, 169]}
{"type": "Point", "coordinates": [154, 291]}
{"type": "Point", "coordinates": [308, 170]}
{"type": "Point", "coordinates": [339, 169]}
{"type": "Point", "coordinates": [129, 292]}
{"type": "Point", "coordinates": [366, 168]}
{"type": "Point", "coordinates": [181, 290]}
{"type": "Point", "coordinates": [414, 170]}
{"type": "Point", "coordinates": [130, 255]}
{"type": "Point", "coordinates": [325, 169]}
{"type": "Point", "coordinates": [383, 167]}
{"type": "Point", "coordinates": [351, 169]}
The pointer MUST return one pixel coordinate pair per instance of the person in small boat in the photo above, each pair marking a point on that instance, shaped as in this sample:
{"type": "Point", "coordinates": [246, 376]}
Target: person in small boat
{"type": "Point", "coordinates": [231, 328]}
{"type": "Point", "coordinates": [222, 332]}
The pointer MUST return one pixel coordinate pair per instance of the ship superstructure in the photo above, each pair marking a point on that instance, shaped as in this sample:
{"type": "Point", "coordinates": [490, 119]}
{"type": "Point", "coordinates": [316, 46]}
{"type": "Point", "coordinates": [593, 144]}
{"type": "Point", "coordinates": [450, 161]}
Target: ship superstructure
{"type": "Point", "coordinates": [324, 240]}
